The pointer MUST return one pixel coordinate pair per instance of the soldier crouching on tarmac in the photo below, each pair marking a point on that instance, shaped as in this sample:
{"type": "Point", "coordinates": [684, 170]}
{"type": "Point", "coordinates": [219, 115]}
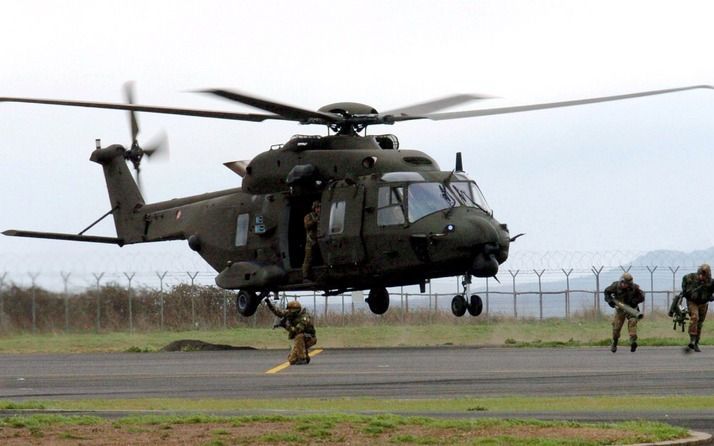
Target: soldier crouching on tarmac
{"type": "Point", "coordinates": [629, 293]}
{"type": "Point", "coordinates": [698, 289]}
{"type": "Point", "coordinates": [298, 324]}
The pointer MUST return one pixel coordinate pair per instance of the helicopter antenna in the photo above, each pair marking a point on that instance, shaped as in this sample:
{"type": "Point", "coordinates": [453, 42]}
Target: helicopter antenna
{"type": "Point", "coordinates": [459, 165]}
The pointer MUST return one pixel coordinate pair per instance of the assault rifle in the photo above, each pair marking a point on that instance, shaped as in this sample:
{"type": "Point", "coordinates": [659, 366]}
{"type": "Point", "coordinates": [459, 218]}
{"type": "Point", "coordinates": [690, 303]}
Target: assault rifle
{"type": "Point", "coordinates": [678, 312]}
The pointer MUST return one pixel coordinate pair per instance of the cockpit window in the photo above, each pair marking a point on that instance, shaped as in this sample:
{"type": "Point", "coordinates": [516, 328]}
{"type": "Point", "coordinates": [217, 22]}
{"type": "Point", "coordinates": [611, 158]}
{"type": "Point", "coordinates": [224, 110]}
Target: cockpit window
{"type": "Point", "coordinates": [427, 198]}
{"type": "Point", "coordinates": [390, 209]}
{"type": "Point", "coordinates": [470, 194]}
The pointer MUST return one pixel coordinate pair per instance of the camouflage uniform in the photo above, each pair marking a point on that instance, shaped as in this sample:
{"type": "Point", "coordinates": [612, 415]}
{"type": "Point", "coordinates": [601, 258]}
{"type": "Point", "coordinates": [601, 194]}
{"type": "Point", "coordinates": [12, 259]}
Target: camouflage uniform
{"type": "Point", "coordinates": [311, 221]}
{"type": "Point", "coordinates": [297, 322]}
{"type": "Point", "coordinates": [698, 289]}
{"type": "Point", "coordinates": [629, 293]}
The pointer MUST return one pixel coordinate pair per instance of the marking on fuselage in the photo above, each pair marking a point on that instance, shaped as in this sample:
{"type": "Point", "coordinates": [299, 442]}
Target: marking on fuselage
{"type": "Point", "coordinates": [286, 364]}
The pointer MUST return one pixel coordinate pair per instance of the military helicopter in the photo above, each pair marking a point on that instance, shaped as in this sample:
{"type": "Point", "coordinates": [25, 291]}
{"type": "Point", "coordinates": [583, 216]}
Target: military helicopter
{"type": "Point", "coordinates": [390, 217]}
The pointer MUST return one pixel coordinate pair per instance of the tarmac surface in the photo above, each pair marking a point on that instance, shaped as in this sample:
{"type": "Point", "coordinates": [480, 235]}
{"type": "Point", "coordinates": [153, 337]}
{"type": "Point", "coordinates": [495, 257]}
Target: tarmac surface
{"type": "Point", "coordinates": [449, 372]}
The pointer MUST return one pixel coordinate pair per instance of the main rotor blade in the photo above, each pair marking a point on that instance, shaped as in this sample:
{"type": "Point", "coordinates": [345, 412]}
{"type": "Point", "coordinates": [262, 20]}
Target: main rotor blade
{"type": "Point", "coordinates": [287, 111]}
{"type": "Point", "coordinates": [522, 108]}
{"type": "Point", "coordinates": [151, 109]}
{"type": "Point", "coordinates": [434, 105]}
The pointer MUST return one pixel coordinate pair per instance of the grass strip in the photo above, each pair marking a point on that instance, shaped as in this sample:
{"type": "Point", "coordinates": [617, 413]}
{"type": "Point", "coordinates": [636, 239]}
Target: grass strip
{"type": "Point", "coordinates": [656, 331]}
{"type": "Point", "coordinates": [516, 404]}
{"type": "Point", "coordinates": [381, 429]}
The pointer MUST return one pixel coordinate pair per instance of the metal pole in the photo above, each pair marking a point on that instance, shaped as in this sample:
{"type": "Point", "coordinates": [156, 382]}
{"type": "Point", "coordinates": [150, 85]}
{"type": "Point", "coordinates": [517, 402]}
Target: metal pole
{"type": "Point", "coordinates": [487, 299]}
{"type": "Point", "coordinates": [540, 291]}
{"type": "Point", "coordinates": [651, 270]}
{"type": "Point", "coordinates": [513, 276]}
{"type": "Point", "coordinates": [98, 278]}
{"type": "Point", "coordinates": [596, 301]}
{"type": "Point", "coordinates": [674, 286]}
{"type": "Point", "coordinates": [161, 298]}
{"type": "Point", "coordinates": [567, 292]}
{"type": "Point", "coordinates": [129, 277]}
{"type": "Point", "coordinates": [2, 300]}
{"type": "Point", "coordinates": [193, 303]}
{"type": "Point", "coordinates": [325, 308]}
{"type": "Point", "coordinates": [34, 304]}
{"type": "Point", "coordinates": [65, 279]}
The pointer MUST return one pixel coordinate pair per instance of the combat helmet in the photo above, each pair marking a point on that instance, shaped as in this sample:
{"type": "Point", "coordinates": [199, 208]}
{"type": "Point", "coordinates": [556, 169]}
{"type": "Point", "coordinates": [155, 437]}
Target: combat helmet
{"type": "Point", "coordinates": [626, 278]}
{"type": "Point", "coordinates": [294, 305]}
{"type": "Point", "coordinates": [705, 270]}
{"type": "Point", "coordinates": [315, 204]}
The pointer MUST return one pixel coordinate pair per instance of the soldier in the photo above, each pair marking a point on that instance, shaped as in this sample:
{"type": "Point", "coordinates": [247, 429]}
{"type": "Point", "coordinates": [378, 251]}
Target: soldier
{"type": "Point", "coordinates": [628, 293]}
{"type": "Point", "coordinates": [698, 289]}
{"type": "Point", "coordinates": [298, 324]}
{"type": "Point", "coordinates": [311, 221]}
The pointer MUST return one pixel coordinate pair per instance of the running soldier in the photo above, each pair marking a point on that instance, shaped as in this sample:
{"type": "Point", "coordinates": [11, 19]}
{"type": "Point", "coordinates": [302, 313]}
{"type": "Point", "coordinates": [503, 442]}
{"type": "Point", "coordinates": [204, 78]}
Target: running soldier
{"type": "Point", "coordinates": [698, 289]}
{"type": "Point", "coordinates": [296, 320]}
{"type": "Point", "coordinates": [629, 293]}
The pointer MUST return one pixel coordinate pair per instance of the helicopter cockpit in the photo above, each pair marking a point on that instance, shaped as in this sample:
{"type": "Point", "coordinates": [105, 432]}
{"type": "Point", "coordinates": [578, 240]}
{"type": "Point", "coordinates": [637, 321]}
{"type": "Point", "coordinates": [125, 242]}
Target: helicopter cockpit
{"type": "Point", "coordinates": [415, 196]}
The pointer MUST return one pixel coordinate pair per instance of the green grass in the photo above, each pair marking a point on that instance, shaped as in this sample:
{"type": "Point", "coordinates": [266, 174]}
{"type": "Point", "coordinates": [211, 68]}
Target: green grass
{"type": "Point", "coordinates": [517, 404]}
{"type": "Point", "coordinates": [382, 428]}
{"type": "Point", "coordinates": [655, 331]}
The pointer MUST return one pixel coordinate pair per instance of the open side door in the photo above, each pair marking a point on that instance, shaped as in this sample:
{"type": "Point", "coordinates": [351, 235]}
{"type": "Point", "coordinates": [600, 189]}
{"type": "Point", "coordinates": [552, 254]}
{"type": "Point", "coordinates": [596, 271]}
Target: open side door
{"type": "Point", "coordinates": [341, 225]}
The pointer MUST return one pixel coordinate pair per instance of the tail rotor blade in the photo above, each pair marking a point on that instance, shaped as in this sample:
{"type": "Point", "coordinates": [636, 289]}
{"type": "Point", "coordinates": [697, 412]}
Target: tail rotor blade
{"type": "Point", "coordinates": [158, 147]}
{"type": "Point", "coordinates": [129, 95]}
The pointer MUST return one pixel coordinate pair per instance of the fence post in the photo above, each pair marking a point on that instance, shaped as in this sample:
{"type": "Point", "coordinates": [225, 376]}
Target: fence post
{"type": "Point", "coordinates": [674, 286]}
{"type": "Point", "coordinates": [2, 300]}
{"type": "Point", "coordinates": [596, 300]}
{"type": "Point", "coordinates": [325, 316]}
{"type": "Point", "coordinates": [513, 276]}
{"type": "Point", "coordinates": [161, 298]}
{"type": "Point", "coordinates": [193, 304]}
{"type": "Point", "coordinates": [567, 291]}
{"type": "Point", "coordinates": [65, 279]}
{"type": "Point", "coordinates": [540, 291]}
{"type": "Point", "coordinates": [98, 278]}
{"type": "Point", "coordinates": [34, 277]}
{"type": "Point", "coordinates": [651, 270]}
{"type": "Point", "coordinates": [130, 277]}
{"type": "Point", "coordinates": [487, 299]}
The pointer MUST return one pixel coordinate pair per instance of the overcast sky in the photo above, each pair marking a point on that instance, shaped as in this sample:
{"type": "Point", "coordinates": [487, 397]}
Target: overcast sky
{"type": "Point", "coordinates": [625, 176]}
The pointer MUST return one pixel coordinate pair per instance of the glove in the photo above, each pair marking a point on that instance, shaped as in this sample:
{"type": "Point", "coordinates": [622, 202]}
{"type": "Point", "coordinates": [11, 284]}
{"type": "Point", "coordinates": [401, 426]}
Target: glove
{"type": "Point", "coordinates": [610, 302]}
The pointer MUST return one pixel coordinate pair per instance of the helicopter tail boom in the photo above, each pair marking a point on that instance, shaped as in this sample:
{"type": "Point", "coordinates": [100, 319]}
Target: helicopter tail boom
{"type": "Point", "coordinates": [124, 193]}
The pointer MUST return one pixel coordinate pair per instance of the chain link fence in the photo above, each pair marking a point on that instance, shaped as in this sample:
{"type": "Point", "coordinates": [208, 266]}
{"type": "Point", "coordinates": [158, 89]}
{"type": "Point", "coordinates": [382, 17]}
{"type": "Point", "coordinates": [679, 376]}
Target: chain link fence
{"type": "Point", "coordinates": [130, 301]}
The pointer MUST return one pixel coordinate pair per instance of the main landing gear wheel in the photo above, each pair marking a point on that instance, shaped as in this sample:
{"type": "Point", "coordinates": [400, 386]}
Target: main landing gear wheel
{"type": "Point", "coordinates": [378, 300]}
{"type": "Point", "coordinates": [475, 307]}
{"type": "Point", "coordinates": [458, 305]}
{"type": "Point", "coordinates": [246, 303]}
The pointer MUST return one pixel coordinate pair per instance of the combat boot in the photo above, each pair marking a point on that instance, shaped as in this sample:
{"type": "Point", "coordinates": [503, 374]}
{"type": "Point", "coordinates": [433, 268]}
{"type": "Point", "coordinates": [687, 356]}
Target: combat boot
{"type": "Point", "coordinates": [693, 343]}
{"type": "Point", "coordinates": [696, 344]}
{"type": "Point", "coordinates": [633, 343]}
{"type": "Point", "coordinates": [613, 346]}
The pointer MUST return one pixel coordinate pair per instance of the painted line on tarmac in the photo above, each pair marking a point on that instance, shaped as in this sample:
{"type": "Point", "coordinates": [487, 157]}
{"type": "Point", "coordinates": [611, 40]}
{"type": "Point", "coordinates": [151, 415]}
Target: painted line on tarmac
{"type": "Point", "coordinates": [286, 364]}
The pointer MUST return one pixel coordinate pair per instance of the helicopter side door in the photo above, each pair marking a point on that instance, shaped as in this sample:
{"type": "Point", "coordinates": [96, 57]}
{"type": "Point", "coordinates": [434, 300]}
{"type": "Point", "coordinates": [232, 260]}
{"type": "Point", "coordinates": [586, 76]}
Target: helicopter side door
{"type": "Point", "coordinates": [341, 225]}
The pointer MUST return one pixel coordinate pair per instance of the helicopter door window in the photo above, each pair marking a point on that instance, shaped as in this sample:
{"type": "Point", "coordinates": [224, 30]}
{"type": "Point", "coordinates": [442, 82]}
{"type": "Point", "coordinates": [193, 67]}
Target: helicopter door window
{"type": "Point", "coordinates": [389, 204]}
{"type": "Point", "coordinates": [337, 217]}
{"type": "Point", "coordinates": [242, 229]}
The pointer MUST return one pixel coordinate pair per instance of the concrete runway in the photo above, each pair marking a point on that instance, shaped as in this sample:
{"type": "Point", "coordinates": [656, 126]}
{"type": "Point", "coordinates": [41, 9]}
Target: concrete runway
{"type": "Point", "coordinates": [382, 373]}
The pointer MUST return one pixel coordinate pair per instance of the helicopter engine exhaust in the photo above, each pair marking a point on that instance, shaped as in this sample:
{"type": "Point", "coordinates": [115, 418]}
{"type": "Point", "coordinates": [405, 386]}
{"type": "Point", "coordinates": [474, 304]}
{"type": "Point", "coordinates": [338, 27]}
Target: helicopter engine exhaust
{"type": "Point", "coordinates": [485, 263]}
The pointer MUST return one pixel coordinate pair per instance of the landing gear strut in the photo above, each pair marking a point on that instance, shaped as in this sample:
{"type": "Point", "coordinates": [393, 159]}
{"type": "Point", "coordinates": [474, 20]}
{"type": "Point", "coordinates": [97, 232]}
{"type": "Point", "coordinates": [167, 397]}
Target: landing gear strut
{"type": "Point", "coordinates": [459, 306]}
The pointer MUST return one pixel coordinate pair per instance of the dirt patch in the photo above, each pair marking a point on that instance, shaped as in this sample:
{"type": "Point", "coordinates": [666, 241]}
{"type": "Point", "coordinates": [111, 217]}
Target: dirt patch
{"type": "Point", "coordinates": [291, 433]}
{"type": "Point", "coordinates": [193, 345]}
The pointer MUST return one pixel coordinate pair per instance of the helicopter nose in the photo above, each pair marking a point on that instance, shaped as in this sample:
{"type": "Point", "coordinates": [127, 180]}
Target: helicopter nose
{"type": "Point", "coordinates": [490, 246]}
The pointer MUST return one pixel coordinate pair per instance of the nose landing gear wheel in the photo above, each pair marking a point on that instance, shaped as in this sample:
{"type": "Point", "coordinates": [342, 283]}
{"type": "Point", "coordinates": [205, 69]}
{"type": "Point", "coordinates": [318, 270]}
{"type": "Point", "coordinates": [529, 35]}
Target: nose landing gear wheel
{"type": "Point", "coordinates": [378, 300]}
{"type": "Point", "coordinates": [458, 305]}
{"type": "Point", "coordinates": [475, 307]}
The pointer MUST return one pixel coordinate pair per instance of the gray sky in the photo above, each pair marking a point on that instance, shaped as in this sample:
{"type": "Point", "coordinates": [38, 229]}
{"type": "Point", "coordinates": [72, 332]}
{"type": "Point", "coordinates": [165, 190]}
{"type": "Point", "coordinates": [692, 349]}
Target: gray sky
{"type": "Point", "coordinates": [624, 176]}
